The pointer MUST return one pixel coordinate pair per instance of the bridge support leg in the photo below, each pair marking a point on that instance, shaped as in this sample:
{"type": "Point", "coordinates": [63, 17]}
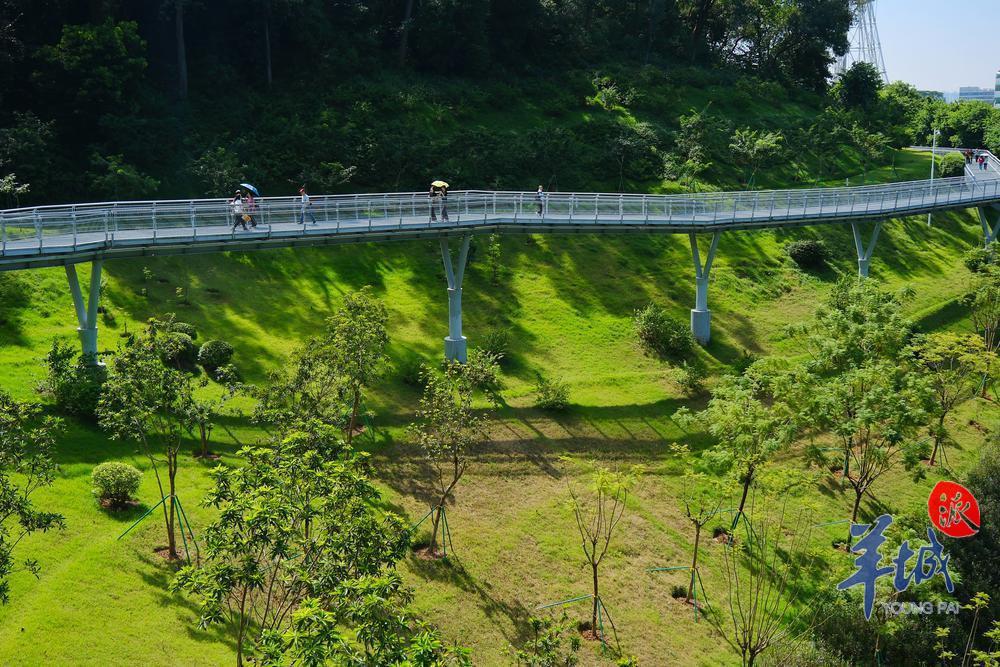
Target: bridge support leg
{"type": "Point", "coordinates": [86, 313]}
{"type": "Point", "coordinates": [701, 316]}
{"type": "Point", "coordinates": [989, 231]}
{"type": "Point", "coordinates": [455, 345]}
{"type": "Point", "coordinates": [865, 254]}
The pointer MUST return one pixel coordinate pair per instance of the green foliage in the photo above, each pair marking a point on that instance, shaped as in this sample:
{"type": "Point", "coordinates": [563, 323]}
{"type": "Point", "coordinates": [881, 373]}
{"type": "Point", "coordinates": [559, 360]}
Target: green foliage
{"type": "Point", "coordinates": [27, 441]}
{"type": "Point", "coordinates": [219, 171]}
{"type": "Point", "coordinates": [975, 558]}
{"type": "Point", "coordinates": [72, 381]}
{"type": "Point", "coordinates": [950, 164]}
{"type": "Point", "coordinates": [551, 394]}
{"type": "Point", "coordinates": [858, 87]}
{"type": "Point", "coordinates": [115, 482]}
{"type": "Point", "coordinates": [182, 328]}
{"type": "Point", "coordinates": [554, 643]}
{"type": "Point", "coordinates": [753, 149]}
{"type": "Point", "coordinates": [496, 342]}
{"type": "Point", "coordinates": [300, 563]}
{"type": "Point", "coordinates": [662, 334]}
{"type": "Point", "coordinates": [977, 259]}
{"type": "Point", "coordinates": [114, 178]}
{"type": "Point", "coordinates": [178, 349]}
{"type": "Point", "coordinates": [214, 354]}
{"type": "Point", "coordinates": [808, 253]}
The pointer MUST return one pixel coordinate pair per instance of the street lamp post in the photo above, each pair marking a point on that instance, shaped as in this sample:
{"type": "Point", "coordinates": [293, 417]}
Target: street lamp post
{"type": "Point", "coordinates": [933, 159]}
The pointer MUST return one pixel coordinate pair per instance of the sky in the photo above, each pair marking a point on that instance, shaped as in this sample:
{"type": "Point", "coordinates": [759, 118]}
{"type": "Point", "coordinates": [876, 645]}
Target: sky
{"type": "Point", "coordinates": [940, 44]}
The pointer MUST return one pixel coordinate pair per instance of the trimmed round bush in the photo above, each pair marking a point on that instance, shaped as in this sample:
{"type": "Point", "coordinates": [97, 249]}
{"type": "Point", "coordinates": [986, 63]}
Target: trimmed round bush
{"type": "Point", "coordinates": [950, 164]}
{"type": "Point", "coordinates": [184, 328]}
{"type": "Point", "coordinates": [179, 349]}
{"type": "Point", "coordinates": [808, 253]}
{"type": "Point", "coordinates": [215, 353]}
{"type": "Point", "coordinates": [662, 334]}
{"type": "Point", "coordinates": [116, 482]}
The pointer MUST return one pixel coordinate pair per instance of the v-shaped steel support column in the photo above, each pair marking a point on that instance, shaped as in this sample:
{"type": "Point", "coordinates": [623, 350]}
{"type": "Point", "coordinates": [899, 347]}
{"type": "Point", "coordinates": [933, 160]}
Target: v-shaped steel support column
{"type": "Point", "coordinates": [701, 316]}
{"type": "Point", "coordinates": [455, 344]}
{"type": "Point", "coordinates": [86, 313]}
{"type": "Point", "coordinates": [865, 254]}
{"type": "Point", "coordinates": [989, 232]}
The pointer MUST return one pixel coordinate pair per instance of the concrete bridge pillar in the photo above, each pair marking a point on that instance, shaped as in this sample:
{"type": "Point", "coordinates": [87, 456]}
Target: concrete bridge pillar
{"type": "Point", "coordinates": [865, 254]}
{"type": "Point", "coordinates": [455, 344]}
{"type": "Point", "coordinates": [86, 313]}
{"type": "Point", "coordinates": [701, 316]}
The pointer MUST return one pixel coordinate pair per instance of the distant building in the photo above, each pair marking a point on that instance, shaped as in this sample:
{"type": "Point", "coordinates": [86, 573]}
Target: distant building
{"type": "Point", "coordinates": [938, 95]}
{"type": "Point", "coordinates": [975, 93]}
{"type": "Point", "coordinates": [996, 92]}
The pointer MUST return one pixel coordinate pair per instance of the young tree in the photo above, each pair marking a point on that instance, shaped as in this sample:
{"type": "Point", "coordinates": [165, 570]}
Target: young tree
{"type": "Point", "coordinates": [874, 412]}
{"type": "Point", "coordinates": [301, 562]}
{"type": "Point", "coordinates": [26, 442]}
{"type": "Point", "coordinates": [954, 366]}
{"type": "Point", "coordinates": [760, 577]}
{"type": "Point", "coordinates": [597, 515]}
{"type": "Point", "coordinates": [871, 147]}
{"type": "Point", "coordinates": [749, 424]}
{"type": "Point", "coordinates": [447, 426]}
{"type": "Point", "coordinates": [754, 149]}
{"type": "Point", "coordinates": [983, 300]}
{"type": "Point", "coordinates": [702, 503]}
{"type": "Point", "coordinates": [355, 339]}
{"type": "Point", "coordinates": [150, 402]}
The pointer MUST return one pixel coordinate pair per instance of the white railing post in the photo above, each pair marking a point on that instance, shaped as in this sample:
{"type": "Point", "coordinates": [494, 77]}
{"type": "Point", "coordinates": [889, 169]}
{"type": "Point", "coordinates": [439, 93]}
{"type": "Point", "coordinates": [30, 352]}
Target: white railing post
{"type": "Point", "coordinates": [38, 227]}
{"type": "Point", "coordinates": [72, 216]}
{"type": "Point", "coordinates": [154, 221]}
{"type": "Point", "coordinates": [194, 224]}
{"type": "Point", "coordinates": [3, 232]}
{"type": "Point", "coordinates": [645, 209]}
{"type": "Point", "coordinates": [106, 214]}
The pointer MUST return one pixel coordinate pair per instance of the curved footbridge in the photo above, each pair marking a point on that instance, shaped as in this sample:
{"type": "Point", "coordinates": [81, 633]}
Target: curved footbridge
{"type": "Point", "coordinates": [70, 234]}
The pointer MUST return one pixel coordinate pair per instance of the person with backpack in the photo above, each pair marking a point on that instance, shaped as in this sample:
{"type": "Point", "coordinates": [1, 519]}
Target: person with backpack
{"type": "Point", "coordinates": [439, 199]}
{"type": "Point", "coordinates": [237, 207]}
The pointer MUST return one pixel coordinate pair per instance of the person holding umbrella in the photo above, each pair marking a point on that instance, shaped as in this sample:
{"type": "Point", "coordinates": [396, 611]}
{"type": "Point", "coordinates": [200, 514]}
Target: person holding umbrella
{"type": "Point", "coordinates": [250, 204]}
{"type": "Point", "coordinates": [439, 198]}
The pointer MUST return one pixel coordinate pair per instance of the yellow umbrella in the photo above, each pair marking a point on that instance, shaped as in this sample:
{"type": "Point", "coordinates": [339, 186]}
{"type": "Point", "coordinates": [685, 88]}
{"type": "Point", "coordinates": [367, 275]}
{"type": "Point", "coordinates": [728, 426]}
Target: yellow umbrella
{"type": "Point", "coordinates": [439, 184]}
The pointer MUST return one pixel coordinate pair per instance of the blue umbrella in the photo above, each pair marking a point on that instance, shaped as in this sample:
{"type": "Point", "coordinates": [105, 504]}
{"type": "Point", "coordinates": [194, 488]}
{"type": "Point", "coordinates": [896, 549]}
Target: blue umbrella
{"type": "Point", "coordinates": [250, 188]}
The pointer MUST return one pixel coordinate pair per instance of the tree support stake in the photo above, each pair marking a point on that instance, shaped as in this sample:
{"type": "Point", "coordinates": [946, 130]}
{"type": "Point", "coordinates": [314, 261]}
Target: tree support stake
{"type": "Point", "coordinates": [86, 313]}
{"type": "Point", "coordinates": [455, 346]}
{"type": "Point", "coordinates": [865, 254]}
{"type": "Point", "coordinates": [701, 316]}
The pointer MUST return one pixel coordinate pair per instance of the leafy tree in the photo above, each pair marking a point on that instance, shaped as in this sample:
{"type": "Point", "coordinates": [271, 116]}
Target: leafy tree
{"type": "Point", "coordinates": [858, 88]}
{"type": "Point", "coordinates": [754, 149]}
{"type": "Point", "coordinates": [219, 170]}
{"type": "Point", "coordinates": [954, 365]}
{"type": "Point", "coordinates": [149, 402]}
{"type": "Point", "coordinates": [871, 147]}
{"type": "Point", "coordinates": [116, 179]}
{"type": "Point", "coordinates": [983, 300]}
{"type": "Point", "coordinates": [447, 428]}
{"type": "Point", "coordinates": [749, 423]}
{"type": "Point", "coordinates": [597, 515]}
{"type": "Point", "coordinates": [73, 381]}
{"type": "Point", "coordinates": [702, 503]}
{"type": "Point", "coordinates": [298, 534]}
{"type": "Point", "coordinates": [26, 443]}
{"type": "Point", "coordinates": [549, 645]}
{"type": "Point", "coordinates": [356, 338]}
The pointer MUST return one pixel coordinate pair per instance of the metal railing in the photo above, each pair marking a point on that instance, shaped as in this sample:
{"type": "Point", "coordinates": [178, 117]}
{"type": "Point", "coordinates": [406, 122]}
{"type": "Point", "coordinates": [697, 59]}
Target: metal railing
{"type": "Point", "coordinates": [86, 227]}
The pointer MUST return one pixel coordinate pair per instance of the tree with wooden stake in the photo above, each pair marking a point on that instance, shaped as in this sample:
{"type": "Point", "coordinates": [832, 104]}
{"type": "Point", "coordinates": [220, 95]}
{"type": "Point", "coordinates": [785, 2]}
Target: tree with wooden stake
{"type": "Point", "coordinates": [447, 427]}
{"type": "Point", "coordinates": [749, 424]}
{"type": "Point", "coordinates": [598, 513]}
{"type": "Point", "coordinates": [875, 412]}
{"type": "Point", "coordinates": [762, 579]}
{"type": "Point", "coordinates": [954, 366]}
{"type": "Point", "coordinates": [149, 402]}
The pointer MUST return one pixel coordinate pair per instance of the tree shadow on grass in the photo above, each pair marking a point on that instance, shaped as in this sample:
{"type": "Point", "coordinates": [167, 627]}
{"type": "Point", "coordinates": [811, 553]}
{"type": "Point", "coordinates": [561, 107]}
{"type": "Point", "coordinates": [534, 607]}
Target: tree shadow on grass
{"type": "Point", "coordinates": [451, 571]}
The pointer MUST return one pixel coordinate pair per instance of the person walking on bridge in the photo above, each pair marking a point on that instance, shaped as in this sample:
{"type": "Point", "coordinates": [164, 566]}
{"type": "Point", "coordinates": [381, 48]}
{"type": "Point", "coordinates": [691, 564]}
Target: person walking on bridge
{"type": "Point", "coordinates": [238, 214]}
{"type": "Point", "coordinates": [439, 199]}
{"type": "Point", "coordinates": [540, 200]}
{"type": "Point", "coordinates": [306, 207]}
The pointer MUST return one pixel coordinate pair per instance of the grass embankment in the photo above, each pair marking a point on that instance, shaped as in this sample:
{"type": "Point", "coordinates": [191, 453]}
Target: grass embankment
{"type": "Point", "coordinates": [568, 302]}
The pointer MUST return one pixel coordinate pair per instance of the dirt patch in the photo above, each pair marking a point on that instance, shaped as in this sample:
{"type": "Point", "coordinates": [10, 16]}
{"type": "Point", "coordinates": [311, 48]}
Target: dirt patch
{"type": "Point", "coordinates": [590, 635]}
{"type": "Point", "coordinates": [426, 553]}
{"type": "Point", "coordinates": [164, 553]}
{"type": "Point", "coordinates": [113, 506]}
{"type": "Point", "coordinates": [210, 456]}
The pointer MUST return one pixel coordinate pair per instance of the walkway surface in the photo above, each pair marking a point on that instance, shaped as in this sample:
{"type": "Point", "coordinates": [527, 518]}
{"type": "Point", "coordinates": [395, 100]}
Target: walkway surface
{"type": "Point", "coordinates": [68, 234]}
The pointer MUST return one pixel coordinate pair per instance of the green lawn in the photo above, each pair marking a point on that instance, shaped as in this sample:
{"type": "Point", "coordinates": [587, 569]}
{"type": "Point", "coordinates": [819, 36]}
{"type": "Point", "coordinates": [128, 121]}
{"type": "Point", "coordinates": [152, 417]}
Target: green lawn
{"type": "Point", "coordinates": [568, 301]}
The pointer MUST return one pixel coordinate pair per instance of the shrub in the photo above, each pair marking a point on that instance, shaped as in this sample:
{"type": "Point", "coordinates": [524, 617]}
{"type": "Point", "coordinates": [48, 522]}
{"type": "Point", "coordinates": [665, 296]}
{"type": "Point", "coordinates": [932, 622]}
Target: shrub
{"type": "Point", "coordinates": [977, 259]}
{"type": "Point", "coordinates": [73, 384]}
{"type": "Point", "coordinates": [214, 354]}
{"type": "Point", "coordinates": [690, 377]}
{"type": "Point", "coordinates": [496, 341]}
{"type": "Point", "coordinates": [115, 482]}
{"type": "Point", "coordinates": [410, 370]}
{"type": "Point", "coordinates": [184, 328]}
{"type": "Point", "coordinates": [552, 394]}
{"type": "Point", "coordinates": [179, 349]}
{"type": "Point", "coordinates": [950, 164]}
{"type": "Point", "coordinates": [662, 334]}
{"type": "Point", "coordinates": [808, 253]}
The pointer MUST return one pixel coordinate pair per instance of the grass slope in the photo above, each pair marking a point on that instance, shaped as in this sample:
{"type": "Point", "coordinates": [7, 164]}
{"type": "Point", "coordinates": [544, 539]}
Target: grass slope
{"type": "Point", "coordinates": [568, 301]}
